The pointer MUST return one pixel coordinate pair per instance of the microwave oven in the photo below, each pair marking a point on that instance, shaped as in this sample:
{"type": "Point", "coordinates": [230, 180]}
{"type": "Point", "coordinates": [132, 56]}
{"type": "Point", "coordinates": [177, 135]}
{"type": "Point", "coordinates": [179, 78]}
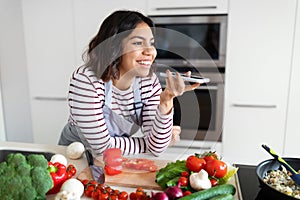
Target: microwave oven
{"type": "Point", "coordinates": [198, 41]}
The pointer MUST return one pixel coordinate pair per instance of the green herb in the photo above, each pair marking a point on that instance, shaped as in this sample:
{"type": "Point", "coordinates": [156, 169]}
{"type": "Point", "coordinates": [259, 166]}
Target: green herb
{"type": "Point", "coordinates": [170, 173]}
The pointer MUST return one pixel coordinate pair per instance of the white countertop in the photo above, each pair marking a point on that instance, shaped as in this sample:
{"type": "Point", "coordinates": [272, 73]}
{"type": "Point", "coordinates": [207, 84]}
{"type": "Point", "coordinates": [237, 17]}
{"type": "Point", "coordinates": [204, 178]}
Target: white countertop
{"type": "Point", "coordinates": [172, 153]}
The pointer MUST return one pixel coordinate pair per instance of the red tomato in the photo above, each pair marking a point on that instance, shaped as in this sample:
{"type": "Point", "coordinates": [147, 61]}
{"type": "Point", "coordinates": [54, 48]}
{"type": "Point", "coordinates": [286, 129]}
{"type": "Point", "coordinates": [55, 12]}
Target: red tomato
{"type": "Point", "coordinates": [88, 191]}
{"type": "Point", "coordinates": [185, 174]}
{"type": "Point", "coordinates": [113, 197]}
{"type": "Point", "coordinates": [132, 196]}
{"type": "Point", "coordinates": [85, 182]}
{"type": "Point", "coordinates": [183, 181]}
{"type": "Point", "coordinates": [95, 195]}
{"type": "Point", "coordinates": [123, 195]}
{"type": "Point", "coordinates": [111, 171]}
{"type": "Point", "coordinates": [216, 168]}
{"type": "Point", "coordinates": [209, 157]}
{"type": "Point", "coordinates": [186, 193]}
{"type": "Point", "coordinates": [104, 195]}
{"type": "Point", "coordinates": [213, 182]}
{"type": "Point", "coordinates": [195, 164]}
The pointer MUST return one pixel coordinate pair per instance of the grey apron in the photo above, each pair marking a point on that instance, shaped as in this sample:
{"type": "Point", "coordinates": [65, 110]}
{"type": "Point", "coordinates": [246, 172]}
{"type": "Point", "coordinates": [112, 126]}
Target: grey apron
{"type": "Point", "coordinates": [116, 124]}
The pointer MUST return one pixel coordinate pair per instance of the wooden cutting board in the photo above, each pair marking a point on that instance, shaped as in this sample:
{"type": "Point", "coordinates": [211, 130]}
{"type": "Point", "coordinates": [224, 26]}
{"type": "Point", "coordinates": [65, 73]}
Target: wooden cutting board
{"type": "Point", "coordinates": [128, 178]}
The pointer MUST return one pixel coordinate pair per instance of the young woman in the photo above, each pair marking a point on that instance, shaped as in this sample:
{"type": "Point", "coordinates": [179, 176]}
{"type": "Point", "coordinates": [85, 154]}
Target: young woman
{"type": "Point", "coordinates": [115, 92]}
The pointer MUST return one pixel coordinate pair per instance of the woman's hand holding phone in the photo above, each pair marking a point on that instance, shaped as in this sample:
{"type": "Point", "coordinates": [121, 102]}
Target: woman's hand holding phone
{"type": "Point", "coordinates": [175, 86]}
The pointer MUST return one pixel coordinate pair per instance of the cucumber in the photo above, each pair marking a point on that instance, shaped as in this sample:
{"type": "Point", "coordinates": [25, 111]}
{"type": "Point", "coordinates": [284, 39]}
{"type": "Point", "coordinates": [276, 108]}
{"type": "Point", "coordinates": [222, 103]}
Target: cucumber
{"type": "Point", "coordinates": [211, 192]}
{"type": "Point", "coordinates": [223, 197]}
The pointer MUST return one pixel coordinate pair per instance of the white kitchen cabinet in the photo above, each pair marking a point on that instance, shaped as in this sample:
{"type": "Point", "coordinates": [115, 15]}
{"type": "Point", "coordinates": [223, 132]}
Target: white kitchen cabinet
{"type": "Point", "coordinates": [259, 50]}
{"type": "Point", "coordinates": [56, 34]}
{"type": "Point", "coordinates": [191, 7]}
{"type": "Point", "coordinates": [292, 147]}
{"type": "Point", "coordinates": [50, 51]}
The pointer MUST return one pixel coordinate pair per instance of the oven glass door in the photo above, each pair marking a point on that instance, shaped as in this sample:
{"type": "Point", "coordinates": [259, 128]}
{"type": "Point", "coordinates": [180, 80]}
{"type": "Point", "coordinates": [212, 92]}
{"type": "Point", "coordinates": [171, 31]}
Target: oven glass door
{"type": "Point", "coordinates": [191, 40]}
{"type": "Point", "coordinates": [170, 44]}
{"type": "Point", "coordinates": [197, 110]}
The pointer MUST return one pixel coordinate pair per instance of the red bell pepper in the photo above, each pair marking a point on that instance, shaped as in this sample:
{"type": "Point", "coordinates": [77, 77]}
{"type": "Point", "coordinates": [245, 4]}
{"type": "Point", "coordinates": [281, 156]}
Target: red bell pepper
{"type": "Point", "coordinates": [59, 175]}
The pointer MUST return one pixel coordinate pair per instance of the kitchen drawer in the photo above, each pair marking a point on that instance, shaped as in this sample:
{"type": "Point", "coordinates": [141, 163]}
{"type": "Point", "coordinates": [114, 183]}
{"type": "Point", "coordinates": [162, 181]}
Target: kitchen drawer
{"type": "Point", "coordinates": [192, 7]}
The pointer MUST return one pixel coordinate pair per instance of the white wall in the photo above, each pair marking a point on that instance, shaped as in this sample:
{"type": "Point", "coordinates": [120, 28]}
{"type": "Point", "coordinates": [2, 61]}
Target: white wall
{"type": "Point", "coordinates": [2, 126]}
{"type": "Point", "coordinates": [13, 73]}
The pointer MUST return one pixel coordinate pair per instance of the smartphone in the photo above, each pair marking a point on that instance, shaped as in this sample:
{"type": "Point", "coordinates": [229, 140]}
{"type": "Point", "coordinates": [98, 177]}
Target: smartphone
{"type": "Point", "coordinates": [191, 79]}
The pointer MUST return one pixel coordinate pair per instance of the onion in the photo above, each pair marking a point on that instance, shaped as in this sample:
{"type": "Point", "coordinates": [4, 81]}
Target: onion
{"type": "Point", "coordinates": [174, 192]}
{"type": "Point", "coordinates": [60, 159]}
{"type": "Point", "coordinates": [159, 196]}
{"type": "Point", "coordinates": [75, 150]}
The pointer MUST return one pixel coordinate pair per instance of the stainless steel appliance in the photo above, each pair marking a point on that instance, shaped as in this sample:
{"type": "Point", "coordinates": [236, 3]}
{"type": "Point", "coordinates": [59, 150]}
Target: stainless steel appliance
{"type": "Point", "coordinates": [196, 44]}
{"type": "Point", "coordinates": [198, 41]}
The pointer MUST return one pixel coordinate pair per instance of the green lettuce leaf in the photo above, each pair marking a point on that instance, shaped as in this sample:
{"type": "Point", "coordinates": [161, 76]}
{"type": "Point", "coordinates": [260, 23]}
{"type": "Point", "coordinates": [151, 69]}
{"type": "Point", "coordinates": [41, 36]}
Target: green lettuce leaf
{"type": "Point", "coordinates": [170, 172]}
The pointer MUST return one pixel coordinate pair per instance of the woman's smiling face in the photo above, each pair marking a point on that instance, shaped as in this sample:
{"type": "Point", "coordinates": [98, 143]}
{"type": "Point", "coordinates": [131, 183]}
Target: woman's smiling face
{"type": "Point", "coordinates": [138, 51]}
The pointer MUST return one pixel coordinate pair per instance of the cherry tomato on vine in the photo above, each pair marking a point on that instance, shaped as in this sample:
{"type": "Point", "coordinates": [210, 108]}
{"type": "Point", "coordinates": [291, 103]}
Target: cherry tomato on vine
{"type": "Point", "coordinates": [85, 182]}
{"type": "Point", "coordinates": [104, 195]}
{"type": "Point", "coordinates": [88, 191]}
{"type": "Point", "coordinates": [95, 194]}
{"type": "Point", "coordinates": [195, 163]}
{"type": "Point", "coordinates": [132, 196]}
{"type": "Point", "coordinates": [216, 168]}
{"type": "Point", "coordinates": [123, 195]}
{"type": "Point", "coordinates": [183, 181]}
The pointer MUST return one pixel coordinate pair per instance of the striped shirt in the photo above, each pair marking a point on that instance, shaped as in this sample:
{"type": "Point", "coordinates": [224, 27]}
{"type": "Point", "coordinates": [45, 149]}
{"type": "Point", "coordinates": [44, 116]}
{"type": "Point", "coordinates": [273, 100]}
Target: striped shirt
{"type": "Point", "coordinates": [86, 99]}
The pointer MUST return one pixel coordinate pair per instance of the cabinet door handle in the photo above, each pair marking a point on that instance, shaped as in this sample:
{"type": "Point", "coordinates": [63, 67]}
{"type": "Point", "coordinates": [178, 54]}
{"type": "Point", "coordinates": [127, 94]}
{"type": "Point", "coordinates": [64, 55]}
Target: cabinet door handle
{"type": "Point", "coordinates": [50, 98]}
{"type": "Point", "coordinates": [253, 105]}
{"type": "Point", "coordinates": [186, 8]}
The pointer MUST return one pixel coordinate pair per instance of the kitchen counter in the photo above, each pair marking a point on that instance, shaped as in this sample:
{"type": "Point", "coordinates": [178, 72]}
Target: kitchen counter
{"type": "Point", "coordinates": [80, 164]}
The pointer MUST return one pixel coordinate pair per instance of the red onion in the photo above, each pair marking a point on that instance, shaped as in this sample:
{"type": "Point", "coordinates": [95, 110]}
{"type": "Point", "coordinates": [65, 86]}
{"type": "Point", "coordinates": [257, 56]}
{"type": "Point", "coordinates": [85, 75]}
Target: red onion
{"type": "Point", "coordinates": [159, 196]}
{"type": "Point", "coordinates": [174, 192]}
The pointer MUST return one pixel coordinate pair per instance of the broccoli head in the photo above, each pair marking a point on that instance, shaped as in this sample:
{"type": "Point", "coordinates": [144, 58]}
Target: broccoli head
{"type": "Point", "coordinates": [25, 178]}
{"type": "Point", "coordinates": [41, 181]}
{"type": "Point", "coordinates": [37, 160]}
{"type": "Point", "coordinates": [15, 159]}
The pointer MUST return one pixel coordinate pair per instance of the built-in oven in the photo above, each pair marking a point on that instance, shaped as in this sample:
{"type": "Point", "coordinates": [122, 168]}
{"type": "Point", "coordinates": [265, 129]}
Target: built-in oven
{"type": "Point", "coordinates": [196, 44]}
{"type": "Point", "coordinates": [198, 41]}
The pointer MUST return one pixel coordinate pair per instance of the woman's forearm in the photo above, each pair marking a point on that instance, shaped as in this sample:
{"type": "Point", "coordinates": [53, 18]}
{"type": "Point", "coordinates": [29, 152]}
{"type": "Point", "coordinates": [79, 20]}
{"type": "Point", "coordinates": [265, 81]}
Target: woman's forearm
{"type": "Point", "coordinates": [166, 102]}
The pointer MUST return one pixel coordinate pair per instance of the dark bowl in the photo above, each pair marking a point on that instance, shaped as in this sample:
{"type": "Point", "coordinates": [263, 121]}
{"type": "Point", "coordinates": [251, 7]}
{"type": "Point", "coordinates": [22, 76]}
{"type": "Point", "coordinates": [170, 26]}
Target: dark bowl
{"type": "Point", "coordinates": [267, 191]}
{"type": "Point", "coordinates": [5, 152]}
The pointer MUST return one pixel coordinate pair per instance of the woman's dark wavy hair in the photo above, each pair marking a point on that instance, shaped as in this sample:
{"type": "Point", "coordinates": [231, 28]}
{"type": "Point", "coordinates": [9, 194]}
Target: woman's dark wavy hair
{"type": "Point", "coordinates": [105, 49]}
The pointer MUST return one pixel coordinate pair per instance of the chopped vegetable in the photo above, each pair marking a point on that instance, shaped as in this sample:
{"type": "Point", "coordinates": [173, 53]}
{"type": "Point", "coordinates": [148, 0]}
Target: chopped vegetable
{"type": "Point", "coordinates": [200, 180]}
{"type": "Point", "coordinates": [24, 177]}
{"type": "Point", "coordinates": [112, 158]}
